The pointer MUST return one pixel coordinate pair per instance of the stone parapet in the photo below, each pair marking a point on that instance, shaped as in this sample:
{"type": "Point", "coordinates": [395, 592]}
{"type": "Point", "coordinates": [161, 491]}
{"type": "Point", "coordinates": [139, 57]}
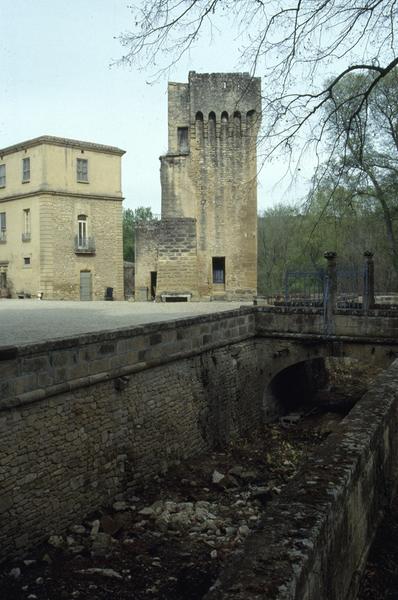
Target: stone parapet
{"type": "Point", "coordinates": [37, 371]}
{"type": "Point", "coordinates": [314, 539]}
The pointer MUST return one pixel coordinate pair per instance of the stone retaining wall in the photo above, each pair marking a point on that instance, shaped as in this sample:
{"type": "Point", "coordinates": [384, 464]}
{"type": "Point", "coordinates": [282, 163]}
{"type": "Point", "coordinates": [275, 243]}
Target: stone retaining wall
{"type": "Point", "coordinates": [37, 371]}
{"type": "Point", "coordinates": [82, 418]}
{"type": "Point", "coordinates": [382, 324]}
{"type": "Point", "coordinates": [67, 448]}
{"type": "Point", "coordinates": [314, 539]}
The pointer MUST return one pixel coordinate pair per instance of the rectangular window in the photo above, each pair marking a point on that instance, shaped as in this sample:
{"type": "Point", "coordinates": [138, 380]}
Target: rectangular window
{"type": "Point", "coordinates": [2, 176]}
{"type": "Point", "coordinates": [26, 220]}
{"type": "Point", "coordinates": [26, 225]}
{"type": "Point", "coordinates": [25, 170]}
{"type": "Point", "coordinates": [82, 169]}
{"type": "Point", "coordinates": [182, 138]}
{"type": "Point", "coordinates": [82, 234]}
{"type": "Point", "coordinates": [3, 227]}
{"type": "Point", "coordinates": [218, 269]}
{"type": "Point", "coordinates": [26, 261]}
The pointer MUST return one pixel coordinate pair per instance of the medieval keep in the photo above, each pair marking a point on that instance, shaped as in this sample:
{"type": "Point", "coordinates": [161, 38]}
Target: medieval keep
{"type": "Point", "coordinates": [205, 245]}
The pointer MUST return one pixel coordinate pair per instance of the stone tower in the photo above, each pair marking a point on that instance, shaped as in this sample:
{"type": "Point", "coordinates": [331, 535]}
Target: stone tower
{"type": "Point", "coordinates": [206, 241]}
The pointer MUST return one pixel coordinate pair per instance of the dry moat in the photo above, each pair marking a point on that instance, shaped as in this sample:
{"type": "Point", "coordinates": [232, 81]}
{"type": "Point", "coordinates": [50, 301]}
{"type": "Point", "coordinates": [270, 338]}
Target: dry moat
{"type": "Point", "coordinates": [170, 538]}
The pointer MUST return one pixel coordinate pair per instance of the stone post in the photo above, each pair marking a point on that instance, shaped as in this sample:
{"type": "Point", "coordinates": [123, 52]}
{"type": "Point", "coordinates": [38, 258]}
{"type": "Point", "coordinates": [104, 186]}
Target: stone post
{"type": "Point", "coordinates": [368, 298]}
{"type": "Point", "coordinates": [330, 293]}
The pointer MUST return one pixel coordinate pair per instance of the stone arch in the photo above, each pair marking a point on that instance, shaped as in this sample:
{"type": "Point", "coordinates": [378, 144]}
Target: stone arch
{"type": "Point", "coordinates": [237, 123]}
{"type": "Point", "coordinates": [312, 380]}
{"type": "Point", "coordinates": [224, 125]}
{"type": "Point", "coordinates": [199, 125]}
{"type": "Point", "coordinates": [251, 117]}
{"type": "Point", "coordinates": [212, 125]}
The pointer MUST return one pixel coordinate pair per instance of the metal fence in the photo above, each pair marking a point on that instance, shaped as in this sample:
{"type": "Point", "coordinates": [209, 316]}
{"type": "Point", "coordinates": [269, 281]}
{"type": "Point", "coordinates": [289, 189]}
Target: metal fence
{"type": "Point", "coordinates": [308, 288]}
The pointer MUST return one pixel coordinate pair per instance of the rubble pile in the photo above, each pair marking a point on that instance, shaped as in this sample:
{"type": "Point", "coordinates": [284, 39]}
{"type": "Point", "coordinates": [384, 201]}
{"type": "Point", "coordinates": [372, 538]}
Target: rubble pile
{"type": "Point", "coordinates": [169, 538]}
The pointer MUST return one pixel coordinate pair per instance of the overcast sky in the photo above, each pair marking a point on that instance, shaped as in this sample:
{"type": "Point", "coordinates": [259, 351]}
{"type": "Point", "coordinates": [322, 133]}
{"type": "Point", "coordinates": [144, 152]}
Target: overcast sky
{"type": "Point", "coordinates": [57, 80]}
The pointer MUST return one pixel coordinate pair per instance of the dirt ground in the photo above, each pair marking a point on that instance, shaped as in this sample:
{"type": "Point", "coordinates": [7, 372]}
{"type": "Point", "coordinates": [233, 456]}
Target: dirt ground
{"type": "Point", "coordinates": [168, 539]}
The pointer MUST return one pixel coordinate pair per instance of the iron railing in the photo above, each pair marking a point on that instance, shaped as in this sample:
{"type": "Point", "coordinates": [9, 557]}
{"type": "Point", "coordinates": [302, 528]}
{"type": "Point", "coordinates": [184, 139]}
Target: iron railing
{"type": "Point", "coordinates": [308, 288]}
{"type": "Point", "coordinates": [84, 245]}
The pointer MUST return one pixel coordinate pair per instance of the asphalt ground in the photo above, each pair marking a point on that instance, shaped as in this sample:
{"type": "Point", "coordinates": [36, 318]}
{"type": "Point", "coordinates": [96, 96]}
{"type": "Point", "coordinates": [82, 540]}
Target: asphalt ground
{"type": "Point", "coordinates": [31, 321]}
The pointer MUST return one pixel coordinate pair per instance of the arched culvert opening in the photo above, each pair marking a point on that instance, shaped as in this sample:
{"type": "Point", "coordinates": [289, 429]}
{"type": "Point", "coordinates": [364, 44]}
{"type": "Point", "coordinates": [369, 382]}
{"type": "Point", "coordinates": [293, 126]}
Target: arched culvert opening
{"type": "Point", "coordinates": [293, 389]}
{"type": "Point", "coordinates": [317, 386]}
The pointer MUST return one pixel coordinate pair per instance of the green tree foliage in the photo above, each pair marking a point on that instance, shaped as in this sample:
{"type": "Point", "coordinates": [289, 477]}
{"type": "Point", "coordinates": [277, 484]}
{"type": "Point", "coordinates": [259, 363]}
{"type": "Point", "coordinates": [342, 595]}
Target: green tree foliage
{"type": "Point", "coordinates": [130, 218]}
{"type": "Point", "coordinates": [295, 238]}
{"type": "Point", "coordinates": [365, 138]}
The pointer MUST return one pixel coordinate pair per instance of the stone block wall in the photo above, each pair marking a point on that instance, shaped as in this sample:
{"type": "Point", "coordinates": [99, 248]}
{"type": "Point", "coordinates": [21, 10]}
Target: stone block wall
{"type": "Point", "coordinates": [212, 178]}
{"type": "Point", "coordinates": [376, 324]}
{"type": "Point", "coordinates": [61, 265]}
{"type": "Point", "coordinates": [177, 258]}
{"type": "Point", "coordinates": [71, 444]}
{"type": "Point", "coordinates": [314, 539]}
{"type": "Point", "coordinates": [146, 257]}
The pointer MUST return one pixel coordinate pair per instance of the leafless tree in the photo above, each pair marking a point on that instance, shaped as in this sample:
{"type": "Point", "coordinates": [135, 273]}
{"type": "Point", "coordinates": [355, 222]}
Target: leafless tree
{"type": "Point", "coordinates": [295, 46]}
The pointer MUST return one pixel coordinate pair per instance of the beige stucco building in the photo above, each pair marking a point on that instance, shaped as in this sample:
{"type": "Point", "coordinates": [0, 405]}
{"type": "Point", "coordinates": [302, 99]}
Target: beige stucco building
{"type": "Point", "coordinates": [205, 245]}
{"type": "Point", "coordinates": [61, 219]}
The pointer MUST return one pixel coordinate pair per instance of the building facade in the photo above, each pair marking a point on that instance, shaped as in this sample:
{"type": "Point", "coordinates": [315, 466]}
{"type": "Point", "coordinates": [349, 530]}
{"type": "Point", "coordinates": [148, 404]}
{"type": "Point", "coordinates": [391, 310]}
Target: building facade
{"type": "Point", "coordinates": [61, 219]}
{"type": "Point", "coordinates": [205, 245]}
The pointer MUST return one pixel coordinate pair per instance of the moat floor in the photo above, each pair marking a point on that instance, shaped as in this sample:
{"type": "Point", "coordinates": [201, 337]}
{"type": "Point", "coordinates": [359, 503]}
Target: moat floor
{"type": "Point", "coordinates": [31, 321]}
{"type": "Point", "coordinates": [169, 539]}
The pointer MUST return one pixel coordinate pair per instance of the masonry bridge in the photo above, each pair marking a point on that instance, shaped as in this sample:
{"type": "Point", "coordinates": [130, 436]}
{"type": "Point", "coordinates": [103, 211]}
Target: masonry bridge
{"type": "Point", "coordinates": [83, 417]}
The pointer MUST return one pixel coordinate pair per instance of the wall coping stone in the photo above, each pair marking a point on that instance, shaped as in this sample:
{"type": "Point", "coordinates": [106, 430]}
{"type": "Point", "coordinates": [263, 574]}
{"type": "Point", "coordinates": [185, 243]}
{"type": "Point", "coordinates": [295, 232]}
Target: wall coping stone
{"type": "Point", "coordinates": [115, 334]}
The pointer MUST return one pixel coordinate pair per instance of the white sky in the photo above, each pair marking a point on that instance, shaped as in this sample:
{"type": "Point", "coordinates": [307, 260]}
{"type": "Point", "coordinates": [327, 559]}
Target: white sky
{"type": "Point", "coordinates": [56, 80]}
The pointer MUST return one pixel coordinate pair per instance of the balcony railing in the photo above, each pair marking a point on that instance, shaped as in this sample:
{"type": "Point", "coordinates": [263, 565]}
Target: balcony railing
{"type": "Point", "coordinates": [26, 237]}
{"type": "Point", "coordinates": [84, 245]}
{"type": "Point", "coordinates": [3, 236]}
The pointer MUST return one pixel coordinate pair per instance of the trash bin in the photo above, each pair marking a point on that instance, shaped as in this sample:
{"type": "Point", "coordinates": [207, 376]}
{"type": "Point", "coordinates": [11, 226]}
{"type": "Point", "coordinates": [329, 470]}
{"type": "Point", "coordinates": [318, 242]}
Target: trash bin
{"type": "Point", "coordinates": [108, 293]}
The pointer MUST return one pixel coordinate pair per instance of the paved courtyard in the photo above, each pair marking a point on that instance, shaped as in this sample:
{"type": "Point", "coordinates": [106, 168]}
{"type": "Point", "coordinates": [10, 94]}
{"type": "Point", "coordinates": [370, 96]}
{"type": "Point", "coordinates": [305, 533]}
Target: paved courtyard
{"type": "Point", "coordinates": [30, 321]}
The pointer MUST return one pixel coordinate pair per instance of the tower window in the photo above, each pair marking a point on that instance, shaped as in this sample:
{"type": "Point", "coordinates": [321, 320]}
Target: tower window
{"type": "Point", "coordinates": [218, 269]}
{"type": "Point", "coordinates": [182, 138]}
{"type": "Point", "coordinates": [224, 117]}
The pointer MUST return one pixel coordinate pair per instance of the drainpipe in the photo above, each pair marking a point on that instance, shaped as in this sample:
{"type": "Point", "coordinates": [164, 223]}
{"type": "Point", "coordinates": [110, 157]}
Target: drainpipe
{"type": "Point", "coordinates": [330, 293]}
{"type": "Point", "coordinates": [368, 299]}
